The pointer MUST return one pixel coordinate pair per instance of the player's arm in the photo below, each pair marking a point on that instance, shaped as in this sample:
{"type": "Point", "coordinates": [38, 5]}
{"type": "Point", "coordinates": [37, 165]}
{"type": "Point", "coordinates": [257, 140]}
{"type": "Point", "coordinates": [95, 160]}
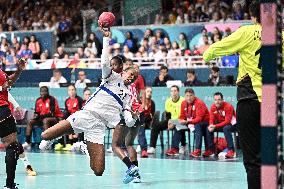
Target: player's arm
{"type": "Point", "coordinates": [13, 101]}
{"type": "Point", "coordinates": [14, 77]}
{"type": "Point", "coordinates": [227, 46]}
{"type": "Point", "coordinates": [105, 63]}
{"type": "Point", "coordinates": [228, 117]}
{"type": "Point", "coordinates": [130, 117]}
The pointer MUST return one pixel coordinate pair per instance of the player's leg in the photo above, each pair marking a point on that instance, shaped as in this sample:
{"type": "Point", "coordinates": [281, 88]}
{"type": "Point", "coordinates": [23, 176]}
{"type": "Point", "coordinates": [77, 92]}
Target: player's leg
{"type": "Point", "coordinates": [29, 128]}
{"type": "Point", "coordinates": [13, 148]}
{"type": "Point", "coordinates": [29, 169]}
{"type": "Point", "coordinates": [248, 119]}
{"type": "Point", "coordinates": [119, 135]}
{"type": "Point", "coordinates": [97, 157]}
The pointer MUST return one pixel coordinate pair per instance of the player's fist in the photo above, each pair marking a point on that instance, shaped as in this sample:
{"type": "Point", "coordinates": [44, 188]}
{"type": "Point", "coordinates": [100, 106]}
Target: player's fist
{"type": "Point", "coordinates": [105, 31]}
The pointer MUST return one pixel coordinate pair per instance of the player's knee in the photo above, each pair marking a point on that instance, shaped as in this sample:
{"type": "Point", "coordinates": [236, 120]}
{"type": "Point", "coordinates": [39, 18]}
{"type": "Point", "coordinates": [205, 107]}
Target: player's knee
{"type": "Point", "coordinates": [13, 151]}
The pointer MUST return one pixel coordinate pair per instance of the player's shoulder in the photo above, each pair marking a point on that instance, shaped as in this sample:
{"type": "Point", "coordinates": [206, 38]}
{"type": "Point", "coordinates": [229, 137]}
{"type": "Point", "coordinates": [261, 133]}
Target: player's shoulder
{"type": "Point", "coordinates": [250, 28]}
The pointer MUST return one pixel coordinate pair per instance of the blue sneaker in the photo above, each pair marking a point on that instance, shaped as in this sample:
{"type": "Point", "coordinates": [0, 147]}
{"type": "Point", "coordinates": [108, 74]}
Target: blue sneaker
{"type": "Point", "coordinates": [130, 174]}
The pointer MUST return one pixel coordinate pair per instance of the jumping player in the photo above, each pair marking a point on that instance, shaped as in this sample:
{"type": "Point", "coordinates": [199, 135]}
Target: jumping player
{"type": "Point", "coordinates": [101, 110]}
{"type": "Point", "coordinates": [8, 129]}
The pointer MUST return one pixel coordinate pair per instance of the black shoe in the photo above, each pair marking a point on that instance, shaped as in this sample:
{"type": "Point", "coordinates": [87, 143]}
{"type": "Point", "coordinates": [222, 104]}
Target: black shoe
{"type": "Point", "coordinates": [13, 187]}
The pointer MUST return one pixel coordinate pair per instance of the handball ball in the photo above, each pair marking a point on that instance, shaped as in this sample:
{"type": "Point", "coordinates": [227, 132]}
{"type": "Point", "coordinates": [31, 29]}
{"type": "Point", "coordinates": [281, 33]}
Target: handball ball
{"type": "Point", "coordinates": [106, 19]}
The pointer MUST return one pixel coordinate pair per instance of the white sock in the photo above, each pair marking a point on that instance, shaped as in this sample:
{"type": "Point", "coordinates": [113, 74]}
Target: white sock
{"type": "Point", "coordinates": [25, 160]}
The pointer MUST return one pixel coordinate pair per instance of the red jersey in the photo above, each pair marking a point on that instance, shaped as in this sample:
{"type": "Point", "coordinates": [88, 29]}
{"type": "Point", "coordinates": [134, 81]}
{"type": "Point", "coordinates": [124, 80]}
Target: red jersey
{"type": "Point", "coordinates": [3, 94]}
{"type": "Point", "coordinates": [72, 105]}
{"type": "Point", "coordinates": [140, 84]}
{"type": "Point", "coordinates": [225, 115]}
{"type": "Point", "coordinates": [48, 106]}
{"type": "Point", "coordinates": [150, 108]}
{"type": "Point", "coordinates": [197, 111]}
{"type": "Point", "coordinates": [134, 98]}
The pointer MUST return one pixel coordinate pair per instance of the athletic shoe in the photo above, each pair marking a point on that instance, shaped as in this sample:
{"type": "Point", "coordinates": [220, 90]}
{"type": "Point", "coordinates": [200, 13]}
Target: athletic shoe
{"type": "Point", "coordinates": [76, 146]}
{"type": "Point", "coordinates": [130, 173]}
{"type": "Point", "coordinates": [230, 154]}
{"type": "Point", "coordinates": [58, 147]}
{"type": "Point", "coordinates": [137, 178]}
{"type": "Point", "coordinates": [151, 150]}
{"type": "Point", "coordinates": [196, 153]}
{"type": "Point", "coordinates": [27, 146]}
{"type": "Point", "coordinates": [30, 171]}
{"type": "Point", "coordinates": [45, 144]}
{"type": "Point", "coordinates": [68, 147]}
{"type": "Point", "coordinates": [109, 150]}
{"type": "Point", "coordinates": [182, 150]}
{"type": "Point", "coordinates": [208, 153]}
{"type": "Point", "coordinates": [144, 154]}
{"type": "Point", "coordinates": [172, 152]}
{"type": "Point", "coordinates": [13, 187]}
{"type": "Point", "coordinates": [83, 148]}
{"type": "Point", "coordinates": [138, 149]}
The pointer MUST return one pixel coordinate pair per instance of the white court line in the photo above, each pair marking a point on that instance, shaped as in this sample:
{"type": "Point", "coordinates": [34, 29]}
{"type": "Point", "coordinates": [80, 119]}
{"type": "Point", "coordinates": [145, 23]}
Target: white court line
{"type": "Point", "coordinates": [69, 175]}
{"type": "Point", "coordinates": [232, 172]}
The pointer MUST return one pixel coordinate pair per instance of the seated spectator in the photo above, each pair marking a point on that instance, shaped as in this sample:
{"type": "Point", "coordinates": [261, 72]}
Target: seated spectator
{"type": "Point", "coordinates": [129, 41]}
{"type": "Point", "coordinates": [127, 53]}
{"type": "Point", "coordinates": [72, 104]}
{"type": "Point", "coordinates": [86, 94]}
{"type": "Point", "coordinates": [216, 17]}
{"type": "Point", "coordinates": [223, 118]}
{"type": "Point", "coordinates": [145, 44]}
{"type": "Point", "coordinates": [61, 52]}
{"type": "Point", "coordinates": [182, 18]}
{"type": "Point", "coordinates": [143, 52]}
{"type": "Point", "coordinates": [191, 79]}
{"type": "Point", "coordinates": [80, 52]}
{"type": "Point", "coordinates": [47, 113]}
{"type": "Point", "coordinates": [149, 112]}
{"type": "Point", "coordinates": [167, 43]}
{"type": "Point", "coordinates": [26, 41]}
{"type": "Point", "coordinates": [214, 78]}
{"type": "Point", "coordinates": [158, 19]}
{"type": "Point", "coordinates": [183, 44]}
{"type": "Point", "coordinates": [11, 60]}
{"type": "Point", "coordinates": [90, 48]}
{"type": "Point", "coordinates": [238, 12]}
{"type": "Point", "coordinates": [96, 44]}
{"type": "Point", "coordinates": [82, 81]}
{"type": "Point", "coordinates": [201, 49]}
{"type": "Point", "coordinates": [34, 47]}
{"type": "Point", "coordinates": [76, 62]}
{"type": "Point", "coordinates": [57, 78]}
{"type": "Point", "coordinates": [26, 53]}
{"type": "Point", "coordinates": [172, 111]}
{"type": "Point", "coordinates": [160, 37]}
{"type": "Point", "coordinates": [171, 19]}
{"type": "Point", "coordinates": [163, 77]}
{"type": "Point", "coordinates": [4, 44]}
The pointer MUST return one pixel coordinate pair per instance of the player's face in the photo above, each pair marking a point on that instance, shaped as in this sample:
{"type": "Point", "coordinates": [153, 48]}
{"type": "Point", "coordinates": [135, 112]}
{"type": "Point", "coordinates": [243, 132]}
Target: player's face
{"type": "Point", "coordinates": [87, 94]}
{"type": "Point", "coordinates": [43, 92]}
{"type": "Point", "coordinates": [218, 101]}
{"type": "Point", "coordinates": [128, 76]}
{"type": "Point", "coordinates": [189, 97]}
{"type": "Point", "coordinates": [115, 66]}
{"type": "Point", "coordinates": [148, 93]}
{"type": "Point", "coordinates": [127, 65]}
{"type": "Point", "coordinates": [71, 91]}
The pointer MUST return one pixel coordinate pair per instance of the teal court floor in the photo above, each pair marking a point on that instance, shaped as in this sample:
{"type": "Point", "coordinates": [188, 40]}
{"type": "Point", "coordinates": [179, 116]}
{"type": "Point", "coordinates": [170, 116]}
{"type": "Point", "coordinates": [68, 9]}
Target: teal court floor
{"type": "Point", "coordinates": [72, 171]}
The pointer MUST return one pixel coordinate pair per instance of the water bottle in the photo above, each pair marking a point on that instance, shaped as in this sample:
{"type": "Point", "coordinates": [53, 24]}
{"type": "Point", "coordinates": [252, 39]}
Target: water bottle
{"type": "Point", "coordinates": [73, 77]}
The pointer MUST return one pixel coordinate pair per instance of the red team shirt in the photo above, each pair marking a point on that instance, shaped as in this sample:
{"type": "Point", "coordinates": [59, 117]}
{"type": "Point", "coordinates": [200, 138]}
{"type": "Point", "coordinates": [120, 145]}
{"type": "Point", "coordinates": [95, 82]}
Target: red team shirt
{"type": "Point", "coordinates": [3, 94]}
{"type": "Point", "coordinates": [223, 116]}
{"type": "Point", "coordinates": [136, 106]}
{"type": "Point", "coordinates": [72, 105]}
{"type": "Point", "coordinates": [197, 111]}
{"type": "Point", "coordinates": [139, 84]}
{"type": "Point", "coordinates": [42, 107]}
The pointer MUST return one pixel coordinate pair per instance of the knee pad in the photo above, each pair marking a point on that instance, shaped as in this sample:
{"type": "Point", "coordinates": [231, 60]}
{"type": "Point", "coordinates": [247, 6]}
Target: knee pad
{"type": "Point", "coordinates": [13, 151]}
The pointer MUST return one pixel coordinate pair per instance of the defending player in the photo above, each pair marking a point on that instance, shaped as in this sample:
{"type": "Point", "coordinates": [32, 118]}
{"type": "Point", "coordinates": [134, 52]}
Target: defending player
{"type": "Point", "coordinates": [101, 110]}
{"type": "Point", "coordinates": [8, 129]}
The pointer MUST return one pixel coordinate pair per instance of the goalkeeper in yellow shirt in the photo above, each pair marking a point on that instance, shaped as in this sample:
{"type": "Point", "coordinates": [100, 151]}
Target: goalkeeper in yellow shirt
{"type": "Point", "coordinates": [247, 42]}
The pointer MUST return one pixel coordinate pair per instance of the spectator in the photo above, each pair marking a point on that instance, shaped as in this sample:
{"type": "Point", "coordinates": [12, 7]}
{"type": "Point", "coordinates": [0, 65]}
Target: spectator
{"type": "Point", "coordinates": [4, 44]}
{"type": "Point", "coordinates": [72, 104]}
{"type": "Point", "coordinates": [145, 44]}
{"type": "Point", "coordinates": [148, 33]}
{"type": "Point", "coordinates": [172, 111]}
{"type": "Point", "coordinates": [224, 15]}
{"type": "Point", "coordinates": [163, 77]}
{"type": "Point", "coordinates": [129, 41]}
{"type": "Point", "coordinates": [127, 53]}
{"type": "Point", "coordinates": [26, 53]}
{"type": "Point", "coordinates": [61, 52]}
{"type": "Point", "coordinates": [183, 44]}
{"type": "Point", "coordinates": [112, 40]}
{"type": "Point", "coordinates": [158, 19]}
{"type": "Point", "coordinates": [214, 78]}
{"type": "Point", "coordinates": [149, 113]}
{"type": "Point", "coordinates": [167, 43]}
{"type": "Point", "coordinates": [223, 118]}
{"type": "Point", "coordinates": [96, 44]}
{"type": "Point", "coordinates": [175, 51]}
{"type": "Point", "coordinates": [201, 49]}
{"type": "Point", "coordinates": [86, 94]}
{"type": "Point", "coordinates": [200, 16]}
{"type": "Point", "coordinates": [82, 81]}
{"type": "Point", "coordinates": [216, 17]}
{"type": "Point", "coordinates": [76, 62]}
{"type": "Point", "coordinates": [171, 19]}
{"type": "Point", "coordinates": [47, 113]}
{"type": "Point", "coordinates": [80, 52]}
{"type": "Point", "coordinates": [63, 30]}
{"type": "Point", "coordinates": [57, 78]}
{"type": "Point", "coordinates": [34, 47]}
{"type": "Point", "coordinates": [238, 12]}
{"type": "Point", "coordinates": [11, 60]}
{"type": "Point", "coordinates": [160, 38]}
{"type": "Point", "coordinates": [90, 48]}
{"type": "Point", "coordinates": [25, 41]}
{"type": "Point", "coordinates": [182, 18]}
{"type": "Point", "coordinates": [227, 32]}
{"type": "Point", "coordinates": [191, 79]}
{"type": "Point", "coordinates": [15, 42]}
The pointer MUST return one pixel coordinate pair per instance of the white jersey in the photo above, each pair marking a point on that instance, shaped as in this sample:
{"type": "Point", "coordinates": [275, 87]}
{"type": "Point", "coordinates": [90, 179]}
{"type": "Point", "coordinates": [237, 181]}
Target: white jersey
{"type": "Point", "coordinates": [112, 97]}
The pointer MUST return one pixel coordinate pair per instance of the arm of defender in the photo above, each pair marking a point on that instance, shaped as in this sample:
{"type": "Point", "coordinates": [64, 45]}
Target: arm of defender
{"type": "Point", "coordinates": [227, 46]}
{"type": "Point", "coordinates": [13, 101]}
{"type": "Point", "coordinates": [129, 117]}
{"type": "Point", "coordinates": [14, 77]}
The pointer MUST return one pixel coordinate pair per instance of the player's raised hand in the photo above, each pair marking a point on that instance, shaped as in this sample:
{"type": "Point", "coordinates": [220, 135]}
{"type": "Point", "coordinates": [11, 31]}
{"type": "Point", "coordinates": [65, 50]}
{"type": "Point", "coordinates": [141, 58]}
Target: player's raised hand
{"type": "Point", "coordinates": [105, 31]}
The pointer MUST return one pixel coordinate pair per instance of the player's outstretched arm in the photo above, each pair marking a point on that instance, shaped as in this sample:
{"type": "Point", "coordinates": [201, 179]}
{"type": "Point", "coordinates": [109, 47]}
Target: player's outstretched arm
{"type": "Point", "coordinates": [227, 46]}
{"type": "Point", "coordinates": [105, 63]}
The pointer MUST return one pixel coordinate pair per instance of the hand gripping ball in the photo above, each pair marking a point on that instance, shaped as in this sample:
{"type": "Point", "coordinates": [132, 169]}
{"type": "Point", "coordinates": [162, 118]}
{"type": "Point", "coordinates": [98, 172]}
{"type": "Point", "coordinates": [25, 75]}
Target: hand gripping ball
{"type": "Point", "coordinates": [106, 19]}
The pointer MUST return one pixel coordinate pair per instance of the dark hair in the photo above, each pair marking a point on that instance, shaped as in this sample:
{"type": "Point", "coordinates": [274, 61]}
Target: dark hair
{"type": "Point", "coordinates": [119, 58]}
{"type": "Point", "coordinates": [44, 87]}
{"type": "Point", "coordinates": [218, 94]}
{"type": "Point", "coordinates": [86, 89]}
{"type": "Point", "coordinates": [254, 10]}
{"type": "Point", "coordinates": [215, 69]}
{"type": "Point", "coordinates": [71, 85]}
{"type": "Point", "coordinates": [175, 86]}
{"type": "Point", "coordinates": [190, 71]}
{"type": "Point", "coordinates": [164, 68]}
{"type": "Point", "coordinates": [189, 90]}
{"type": "Point", "coordinates": [56, 71]}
